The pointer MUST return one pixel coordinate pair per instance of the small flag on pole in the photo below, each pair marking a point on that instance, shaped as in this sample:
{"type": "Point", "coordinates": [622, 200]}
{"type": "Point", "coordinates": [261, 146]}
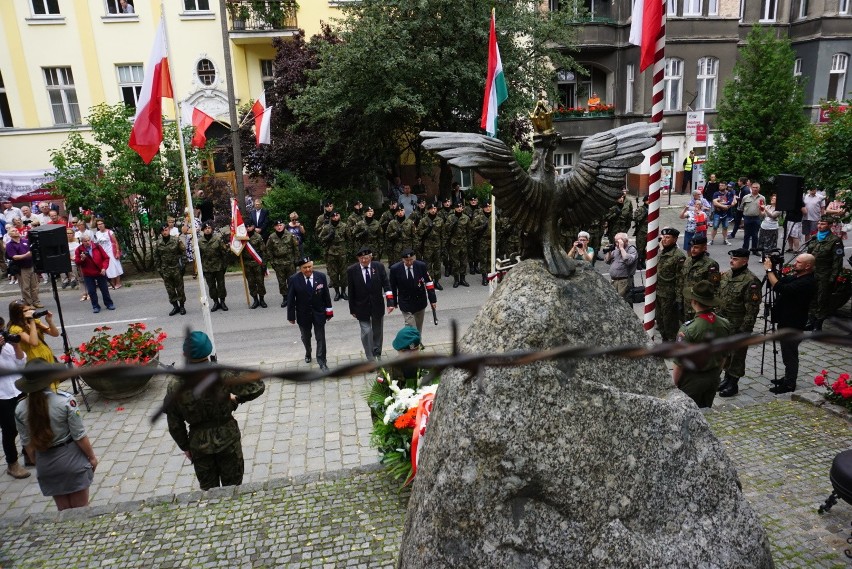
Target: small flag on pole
{"type": "Point", "coordinates": [644, 29]}
{"type": "Point", "coordinates": [238, 228]}
{"type": "Point", "coordinates": [495, 84]}
{"type": "Point", "coordinates": [262, 118]}
{"type": "Point", "coordinates": [147, 132]}
{"type": "Point", "coordinates": [200, 120]}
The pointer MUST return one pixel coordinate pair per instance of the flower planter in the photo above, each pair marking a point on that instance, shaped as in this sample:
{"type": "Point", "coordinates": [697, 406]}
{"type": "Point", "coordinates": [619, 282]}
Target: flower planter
{"type": "Point", "coordinates": [122, 387]}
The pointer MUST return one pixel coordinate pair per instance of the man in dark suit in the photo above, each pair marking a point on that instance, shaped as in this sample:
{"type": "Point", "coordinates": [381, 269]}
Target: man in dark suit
{"type": "Point", "coordinates": [309, 304]}
{"type": "Point", "coordinates": [369, 291]}
{"type": "Point", "coordinates": [411, 285]}
{"type": "Point", "coordinates": [260, 217]}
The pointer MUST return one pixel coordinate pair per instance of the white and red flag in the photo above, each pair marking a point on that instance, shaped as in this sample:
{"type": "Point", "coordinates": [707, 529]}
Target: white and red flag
{"type": "Point", "coordinates": [200, 120]}
{"type": "Point", "coordinates": [238, 228]}
{"type": "Point", "coordinates": [147, 132]}
{"type": "Point", "coordinates": [495, 84]}
{"type": "Point", "coordinates": [645, 28]}
{"type": "Point", "coordinates": [262, 118]}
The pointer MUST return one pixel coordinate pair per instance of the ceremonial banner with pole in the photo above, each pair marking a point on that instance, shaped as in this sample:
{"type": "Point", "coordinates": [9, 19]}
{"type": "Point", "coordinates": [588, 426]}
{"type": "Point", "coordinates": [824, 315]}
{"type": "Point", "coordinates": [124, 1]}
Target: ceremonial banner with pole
{"type": "Point", "coordinates": [648, 30]}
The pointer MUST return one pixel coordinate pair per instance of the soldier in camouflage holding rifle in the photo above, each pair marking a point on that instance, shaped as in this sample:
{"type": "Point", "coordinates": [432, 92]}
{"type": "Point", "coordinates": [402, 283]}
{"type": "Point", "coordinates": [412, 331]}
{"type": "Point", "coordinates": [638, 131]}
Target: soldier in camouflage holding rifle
{"type": "Point", "coordinates": [334, 237]}
{"type": "Point", "coordinates": [430, 238]}
{"type": "Point", "coordinates": [457, 232]}
{"type": "Point", "coordinates": [282, 250]}
{"type": "Point", "coordinates": [481, 234]}
{"type": "Point", "coordinates": [394, 237]}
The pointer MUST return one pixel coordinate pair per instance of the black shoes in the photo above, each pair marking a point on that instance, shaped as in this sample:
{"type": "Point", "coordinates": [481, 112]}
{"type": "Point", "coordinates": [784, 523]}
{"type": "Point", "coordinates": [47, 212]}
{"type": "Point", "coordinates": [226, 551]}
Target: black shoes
{"type": "Point", "coordinates": [255, 304]}
{"type": "Point", "coordinates": [783, 388]}
{"type": "Point", "coordinates": [222, 305]}
{"type": "Point", "coordinates": [284, 303]}
{"type": "Point", "coordinates": [456, 283]}
{"type": "Point", "coordinates": [215, 306]}
{"type": "Point", "coordinates": [308, 359]}
{"type": "Point", "coordinates": [438, 286]}
{"type": "Point", "coordinates": [343, 294]}
{"type": "Point", "coordinates": [175, 310]}
{"type": "Point", "coordinates": [181, 309]}
{"type": "Point", "coordinates": [484, 280]}
{"type": "Point", "coordinates": [731, 387]}
{"type": "Point", "coordinates": [336, 295]}
{"type": "Point", "coordinates": [463, 282]}
{"type": "Point", "coordinates": [262, 302]}
{"type": "Point", "coordinates": [323, 367]}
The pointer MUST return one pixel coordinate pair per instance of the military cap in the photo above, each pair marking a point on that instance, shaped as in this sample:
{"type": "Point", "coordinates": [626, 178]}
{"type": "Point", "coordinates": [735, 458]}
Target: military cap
{"type": "Point", "coordinates": [335, 212]}
{"type": "Point", "coordinates": [700, 240]}
{"type": "Point", "coordinates": [279, 222]}
{"type": "Point", "coordinates": [408, 252]}
{"type": "Point", "coordinates": [421, 200]}
{"type": "Point", "coordinates": [357, 202]}
{"type": "Point", "coordinates": [741, 252]}
{"type": "Point", "coordinates": [828, 218]}
{"type": "Point", "coordinates": [407, 339]}
{"type": "Point", "coordinates": [206, 224]}
{"type": "Point", "coordinates": [645, 198]}
{"type": "Point", "coordinates": [670, 231]}
{"type": "Point", "coordinates": [329, 203]}
{"type": "Point", "coordinates": [364, 251]}
{"type": "Point", "coordinates": [197, 345]}
{"type": "Point", "coordinates": [368, 208]}
{"type": "Point", "coordinates": [250, 223]}
{"type": "Point", "coordinates": [301, 261]}
{"type": "Point", "coordinates": [702, 292]}
{"type": "Point", "coordinates": [164, 226]}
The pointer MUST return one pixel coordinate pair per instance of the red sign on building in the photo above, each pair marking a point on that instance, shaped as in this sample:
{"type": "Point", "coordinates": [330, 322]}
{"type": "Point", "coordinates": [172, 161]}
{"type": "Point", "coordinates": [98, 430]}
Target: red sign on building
{"type": "Point", "coordinates": [701, 133]}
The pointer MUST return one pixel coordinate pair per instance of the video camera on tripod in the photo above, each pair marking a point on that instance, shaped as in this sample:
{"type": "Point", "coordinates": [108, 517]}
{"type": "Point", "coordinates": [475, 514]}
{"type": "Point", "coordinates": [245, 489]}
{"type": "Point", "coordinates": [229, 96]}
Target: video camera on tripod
{"type": "Point", "coordinates": [775, 255]}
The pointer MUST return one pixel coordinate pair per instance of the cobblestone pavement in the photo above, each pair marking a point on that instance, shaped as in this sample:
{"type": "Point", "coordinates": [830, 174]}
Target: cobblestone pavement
{"type": "Point", "coordinates": [354, 517]}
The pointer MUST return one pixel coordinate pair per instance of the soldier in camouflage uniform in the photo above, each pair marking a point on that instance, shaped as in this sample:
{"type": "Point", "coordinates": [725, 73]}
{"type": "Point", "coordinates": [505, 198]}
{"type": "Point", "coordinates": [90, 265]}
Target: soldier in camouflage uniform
{"type": "Point", "coordinates": [697, 267]}
{"type": "Point", "coordinates": [471, 210]}
{"type": "Point", "coordinates": [355, 217]}
{"type": "Point", "coordinates": [368, 233]}
{"type": "Point", "coordinates": [214, 258]}
{"type": "Point", "coordinates": [388, 216]}
{"type": "Point", "coordinates": [508, 237]}
{"type": "Point", "coordinates": [640, 219]}
{"type": "Point", "coordinates": [169, 252]}
{"type": "Point", "coordinates": [739, 302]}
{"type": "Point", "coordinates": [827, 249]}
{"type": "Point", "coordinates": [282, 250]}
{"type": "Point", "coordinates": [394, 236]}
{"type": "Point", "coordinates": [669, 271]}
{"type": "Point", "coordinates": [619, 217]}
{"type": "Point", "coordinates": [480, 229]}
{"type": "Point", "coordinates": [323, 218]}
{"type": "Point", "coordinates": [445, 212]}
{"type": "Point", "coordinates": [430, 237]}
{"type": "Point", "coordinates": [596, 231]}
{"type": "Point", "coordinates": [334, 238]}
{"type": "Point", "coordinates": [456, 237]}
{"type": "Point", "coordinates": [255, 272]}
{"type": "Point", "coordinates": [419, 212]}
{"type": "Point", "coordinates": [212, 441]}
{"type": "Point", "coordinates": [409, 234]}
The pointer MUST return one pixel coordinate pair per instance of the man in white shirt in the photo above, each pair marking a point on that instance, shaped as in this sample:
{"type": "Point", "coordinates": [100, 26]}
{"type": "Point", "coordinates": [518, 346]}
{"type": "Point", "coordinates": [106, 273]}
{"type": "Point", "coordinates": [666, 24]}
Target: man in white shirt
{"type": "Point", "coordinates": [407, 200]}
{"type": "Point", "coordinates": [10, 212]}
{"type": "Point", "coordinates": [814, 209]}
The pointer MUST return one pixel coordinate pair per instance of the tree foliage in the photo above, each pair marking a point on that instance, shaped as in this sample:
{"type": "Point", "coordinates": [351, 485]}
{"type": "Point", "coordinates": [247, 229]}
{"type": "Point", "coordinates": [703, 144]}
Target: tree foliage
{"type": "Point", "coordinates": [823, 153]}
{"type": "Point", "coordinates": [108, 179]}
{"type": "Point", "coordinates": [761, 109]}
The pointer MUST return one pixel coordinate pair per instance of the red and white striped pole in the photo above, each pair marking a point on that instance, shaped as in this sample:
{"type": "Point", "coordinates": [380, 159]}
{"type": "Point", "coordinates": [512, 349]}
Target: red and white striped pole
{"type": "Point", "coordinates": [653, 246]}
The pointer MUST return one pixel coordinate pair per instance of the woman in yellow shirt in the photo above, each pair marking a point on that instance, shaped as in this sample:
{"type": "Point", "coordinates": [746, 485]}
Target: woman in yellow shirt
{"type": "Point", "coordinates": [32, 331]}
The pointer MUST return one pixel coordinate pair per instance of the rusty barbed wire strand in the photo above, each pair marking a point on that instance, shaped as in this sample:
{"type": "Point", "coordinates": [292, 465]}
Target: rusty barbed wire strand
{"type": "Point", "coordinates": [203, 376]}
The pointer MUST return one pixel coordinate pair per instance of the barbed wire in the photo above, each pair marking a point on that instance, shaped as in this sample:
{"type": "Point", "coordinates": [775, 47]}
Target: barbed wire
{"type": "Point", "coordinates": [201, 377]}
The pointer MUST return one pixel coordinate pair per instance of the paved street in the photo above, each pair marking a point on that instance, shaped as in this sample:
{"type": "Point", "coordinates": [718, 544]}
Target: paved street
{"type": "Point", "coordinates": [302, 442]}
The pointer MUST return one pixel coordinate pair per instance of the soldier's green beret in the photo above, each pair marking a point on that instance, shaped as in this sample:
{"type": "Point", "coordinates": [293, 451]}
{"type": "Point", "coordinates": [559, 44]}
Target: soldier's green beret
{"type": "Point", "coordinates": [197, 345]}
{"type": "Point", "coordinates": [407, 339]}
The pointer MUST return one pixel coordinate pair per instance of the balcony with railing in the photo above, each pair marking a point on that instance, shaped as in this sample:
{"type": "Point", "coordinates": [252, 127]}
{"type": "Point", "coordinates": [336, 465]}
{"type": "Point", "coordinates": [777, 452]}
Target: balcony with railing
{"type": "Point", "coordinates": [256, 21]}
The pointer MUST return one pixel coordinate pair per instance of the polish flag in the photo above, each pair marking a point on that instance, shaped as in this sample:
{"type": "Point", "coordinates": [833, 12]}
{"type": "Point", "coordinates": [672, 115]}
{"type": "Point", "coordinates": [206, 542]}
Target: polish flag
{"type": "Point", "coordinates": [194, 116]}
{"type": "Point", "coordinates": [238, 228]}
{"type": "Point", "coordinates": [147, 132]}
{"type": "Point", "coordinates": [495, 84]}
{"type": "Point", "coordinates": [262, 117]}
{"type": "Point", "coordinates": [644, 29]}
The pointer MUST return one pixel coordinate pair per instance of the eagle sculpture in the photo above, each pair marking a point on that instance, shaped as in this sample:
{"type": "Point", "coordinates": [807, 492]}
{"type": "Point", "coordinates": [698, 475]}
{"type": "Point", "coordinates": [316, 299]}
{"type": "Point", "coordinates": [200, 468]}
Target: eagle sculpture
{"type": "Point", "coordinates": [535, 201]}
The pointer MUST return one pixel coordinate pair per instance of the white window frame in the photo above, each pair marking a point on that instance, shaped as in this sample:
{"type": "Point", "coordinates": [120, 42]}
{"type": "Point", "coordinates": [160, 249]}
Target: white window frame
{"type": "Point", "coordinates": [839, 66]}
{"type": "Point", "coordinates": [844, 7]}
{"type": "Point", "coordinates": [267, 76]}
{"type": "Point", "coordinates": [130, 76]}
{"type": "Point", "coordinates": [464, 176]}
{"type": "Point", "coordinates": [712, 7]}
{"type": "Point", "coordinates": [61, 91]}
{"type": "Point", "coordinates": [195, 6]}
{"type": "Point", "coordinates": [671, 7]}
{"type": "Point", "coordinates": [4, 106]}
{"type": "Point", "coordinates": [213, 68]}
{"type": "Point", "coordinates": [563, 162]}
{"type": "Point", "coordinates": [673, 82]}
{"type": "Point", "coordinates": [692, 7]}
{"type": "Point", "coordinates": [46, 6]}
{"type": "Point", "coordinates": [803, 9]}
{"type": "Point", "coordinates": [707, 81]}
{"type": "Point", "coordinates": [797, 67]}
{"type": "Point", "coordinates": [768, 10]}
{"type": "Point", "coordinates": [630, 84]}
{"type": "Point", "coordinates": [113, 8]}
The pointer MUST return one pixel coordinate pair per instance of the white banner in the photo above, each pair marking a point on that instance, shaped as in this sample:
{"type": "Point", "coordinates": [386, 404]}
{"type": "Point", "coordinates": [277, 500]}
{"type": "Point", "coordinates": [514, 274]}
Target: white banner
{"type": "Point", "coordinates": [693, 119]}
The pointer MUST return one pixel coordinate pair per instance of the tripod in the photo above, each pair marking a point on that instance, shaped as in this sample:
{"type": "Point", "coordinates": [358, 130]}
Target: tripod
{"type": "Point", "coordinates": [66, 348]}
{"type": "Point", "coordinates": [768, 327]}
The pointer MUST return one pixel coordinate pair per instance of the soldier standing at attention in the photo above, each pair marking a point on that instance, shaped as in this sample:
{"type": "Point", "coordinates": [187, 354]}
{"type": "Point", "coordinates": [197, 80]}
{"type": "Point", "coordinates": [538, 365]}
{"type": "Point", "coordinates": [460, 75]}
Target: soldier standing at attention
{"type": "Point", "coordinates": [254, 269]}
{"type": "Point", "coordinates": [212, 442]}
{"type": "Point", "coordinates": [669, 270]}
{"type": "Point", "coordinates": [640, 218]}
{"type": "Point", "coordinates": [701, 384]}
{"type": "Point", "coordinates": [445, 213]}
{"type": "Point", "coordinates": [394, 237]}
{"type": "Point", "coordinates": [430, 236]}
{"type": "Point", "coordinates": [481, 229]}
{"type": "Point", "coordinates": [354, 218]}
{"type": "Point", "coordinates": [739, 298]}
{"type": "Point", "coordinates": [419, 212]}
{"type": "Point", "coordinates": [473, 245]}
{"type": "Point", "coordinates": [368, 233]}
{"type": "Point", "coordinates": [169, 252]}
{"type": "Point", "coordinates": [697, 267]}
{"type": "Point", "coordinates": [214, 258]}
{"type": "Point", "coordinates": [384, 221]}
{"type": "Point", "coordinates": [282, 250]}
{"type": "Point", "coordinates": [827, 249]}
{"type": "Point", "coordinates": [324, 218]}
{"type": "Point", "coordinates": [334, 238]}
{"type": "Point", "coordinates": [457, 233]}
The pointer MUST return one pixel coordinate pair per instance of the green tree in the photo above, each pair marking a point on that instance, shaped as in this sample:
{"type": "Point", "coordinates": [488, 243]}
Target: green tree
{"type": "Point", "coordinates": [411, 65]}
{"type": "Point", "coordinates": [823, 153]}
{"type": "Point", "coordinates": [761, 109]}
{"type": "Point", "coordinates": [108, 179]}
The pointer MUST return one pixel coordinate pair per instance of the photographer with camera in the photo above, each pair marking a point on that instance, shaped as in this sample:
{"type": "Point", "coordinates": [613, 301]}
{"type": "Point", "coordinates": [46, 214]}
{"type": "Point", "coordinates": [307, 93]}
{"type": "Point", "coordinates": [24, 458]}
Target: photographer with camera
{"type": "Point", "coordinates": [581, 248]}
{"type": "Point", "coordinates": [622, 258]}
{"type": "Point", "coordinates": [24, 320]}
{"type": "Point", "coordinates": [793, 295]}
{"type": "Point", "coordinates": [11, 356]}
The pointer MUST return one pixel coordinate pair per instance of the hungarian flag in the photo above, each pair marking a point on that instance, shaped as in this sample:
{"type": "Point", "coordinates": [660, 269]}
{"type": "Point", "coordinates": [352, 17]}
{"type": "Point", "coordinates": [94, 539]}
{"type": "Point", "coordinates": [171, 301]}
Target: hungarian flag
{"type": "Point", "coordinates": [147, 132]}
{"type": "Point", "coordinates": [238, 228]}
{"type": "Point", "coordinates": [200, 120]}
{"type": "Point", "coordinates": [262, 117]}
{"type": "Point", "coordinates": [644, 29]}
{"type": "Point", "coordinates": [495, 84]}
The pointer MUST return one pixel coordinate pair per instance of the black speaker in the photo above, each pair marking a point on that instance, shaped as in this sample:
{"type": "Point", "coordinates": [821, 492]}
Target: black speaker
{"type": "Point", "coordinates": [788, 192]}
{"type": "Point", "coordinates": [49, 245]}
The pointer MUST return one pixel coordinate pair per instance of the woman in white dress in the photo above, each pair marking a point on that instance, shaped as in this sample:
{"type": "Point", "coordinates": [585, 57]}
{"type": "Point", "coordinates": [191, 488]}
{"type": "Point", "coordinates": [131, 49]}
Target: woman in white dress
{"type": "Point", "coordinates": [106, 239]}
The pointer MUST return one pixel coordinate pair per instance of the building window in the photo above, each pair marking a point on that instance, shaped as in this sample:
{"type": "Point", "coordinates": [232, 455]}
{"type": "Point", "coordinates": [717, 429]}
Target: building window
{"type": "Point", "coordinates": [45, 7]}
{"type": "Point", "coordinates": [206, 72]}
{"type": "Point", "coordinates": [62, 95]}
{"type": "Point", "coordinates": [673, 82]}
{"type": "Point", "coordinates": [628, 95]}
{"type": "Point", "coordinates": [671, 7]}
{"type": "Point", "coordinates": [130, 82]}
{"type": "Point", "coordinates": [803, 9]}
{"type": "Point", "coordinates": [114, 7]}
{"type": "Point", "coordinates": [196, 5]}
{"type": "Point", "coordinates": [464, 176]}
{"type": "Point", "coordinates": [5, 113]}
{"type": "Point", "coordinates": [713, 7]}
{"type": "Point", "coordinates": [797, 67]}
{"type": "Point", "coordinates": [708, 71]}
{"type": "Point", "coordinates": [837, 77]}
{"type": "Point", "coordinates": [844, 7]}
{"type": "Point", "coordinates": [566, 88]}
{"type": "Point", "coordinates": [563, 162]}
{"type": "Point", "coordinates": [692, 7]}
{"type": "Point", "coordinates": [767, 10]}
{"type": "Point", "coordinates": [267, 73]}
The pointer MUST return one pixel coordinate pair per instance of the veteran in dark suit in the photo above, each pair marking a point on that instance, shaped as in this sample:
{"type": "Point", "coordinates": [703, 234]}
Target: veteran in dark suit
{"type": "Point", "coordinates": [309, 304]}
{"type": "Point", "coordinates": [369, 295]}
{"type": "Point", "coordinates": [412, 286]}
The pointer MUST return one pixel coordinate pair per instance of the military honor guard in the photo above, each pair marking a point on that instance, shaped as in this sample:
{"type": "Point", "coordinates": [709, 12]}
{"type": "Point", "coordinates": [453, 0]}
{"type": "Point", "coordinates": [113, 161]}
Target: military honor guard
{"type": "Point", "coordinates": [169, 261]}
{"type": "Point", "coordinates": [699, 266]}
{"type": "Point", "coordinates": [215, 255]}
{"type": "Point", "coordinates": [282, 250]}
{"type": "Point", "coordinates": [669, 284]}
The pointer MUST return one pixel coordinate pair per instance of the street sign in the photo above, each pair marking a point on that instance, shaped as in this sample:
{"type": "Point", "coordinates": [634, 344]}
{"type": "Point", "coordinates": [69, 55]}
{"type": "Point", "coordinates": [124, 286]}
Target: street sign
{"type": "Point", "coordinates": [701, 133]}
{"type": "Point", "coordinates": [693, 119]}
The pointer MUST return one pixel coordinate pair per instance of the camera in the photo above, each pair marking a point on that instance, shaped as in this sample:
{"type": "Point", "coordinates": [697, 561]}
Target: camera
{"type": "Point", "coordinates": [40, 313]}
{"type": "Point", "coordinates": [10, 338]}
{"type": "Point", "coordinates": [775, 255]}
{"type": "Point", "coordinates": [608, 249]}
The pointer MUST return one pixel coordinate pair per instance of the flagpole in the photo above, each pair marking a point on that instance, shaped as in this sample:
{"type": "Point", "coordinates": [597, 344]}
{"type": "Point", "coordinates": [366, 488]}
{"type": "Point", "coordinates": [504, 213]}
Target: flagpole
{"type": "Point", "coordinates": [205, 306]}
{"type": "Point", "coordinates": [653, 242]}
